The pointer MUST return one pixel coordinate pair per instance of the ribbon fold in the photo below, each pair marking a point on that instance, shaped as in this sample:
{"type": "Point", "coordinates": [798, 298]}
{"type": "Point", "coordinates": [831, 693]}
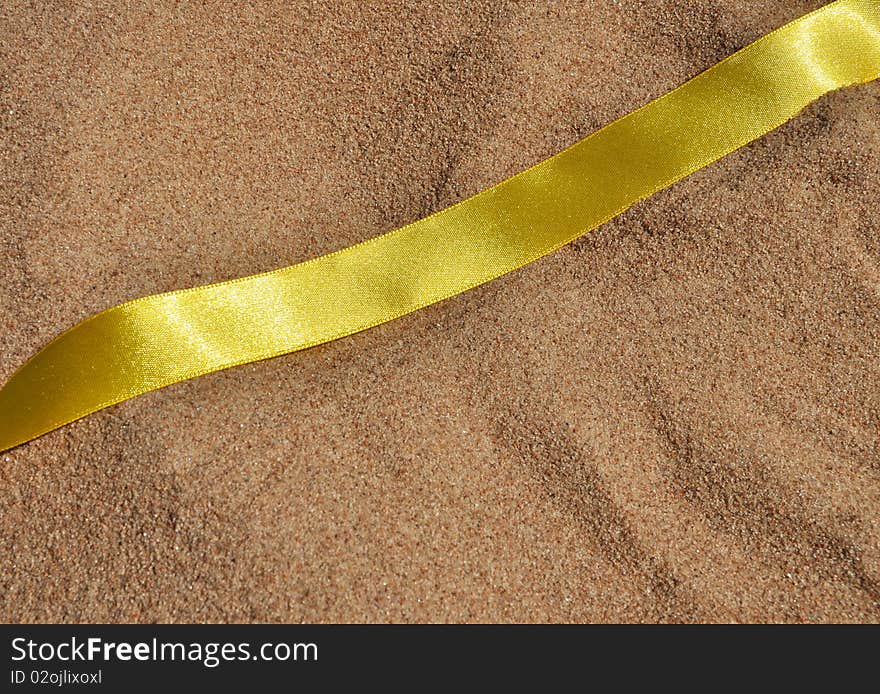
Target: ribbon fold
{"type": "Point", "coordinates": [158, 340]}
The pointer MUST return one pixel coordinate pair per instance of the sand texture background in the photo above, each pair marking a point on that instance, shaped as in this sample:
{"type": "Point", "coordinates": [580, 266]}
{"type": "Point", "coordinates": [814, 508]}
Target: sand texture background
{"type": "Point", "coordinates": [675, 418]}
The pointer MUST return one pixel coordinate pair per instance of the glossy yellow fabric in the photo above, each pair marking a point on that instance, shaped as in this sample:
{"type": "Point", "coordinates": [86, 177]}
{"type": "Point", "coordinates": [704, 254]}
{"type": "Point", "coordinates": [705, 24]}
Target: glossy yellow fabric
{"type": "Point", "coordinates": [158, 340]}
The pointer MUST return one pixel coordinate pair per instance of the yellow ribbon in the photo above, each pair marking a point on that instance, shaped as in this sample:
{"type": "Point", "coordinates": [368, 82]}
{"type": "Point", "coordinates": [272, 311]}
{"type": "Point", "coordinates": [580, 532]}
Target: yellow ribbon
{"type": "Point", "coordinates": [158, 340]}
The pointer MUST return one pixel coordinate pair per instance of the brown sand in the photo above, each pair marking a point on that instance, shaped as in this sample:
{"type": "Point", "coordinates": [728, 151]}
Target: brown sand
{"type": "Point", "coordinates": [675, 418]}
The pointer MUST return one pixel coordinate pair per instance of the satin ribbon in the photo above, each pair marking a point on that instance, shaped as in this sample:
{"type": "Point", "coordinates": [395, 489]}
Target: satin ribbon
{"type": "Point", "coordinates": [158, 340]}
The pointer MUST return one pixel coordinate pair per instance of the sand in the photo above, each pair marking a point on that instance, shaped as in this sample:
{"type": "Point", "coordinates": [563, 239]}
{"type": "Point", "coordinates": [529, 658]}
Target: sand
{"type": "Point", "coordinates": [675, 418]}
